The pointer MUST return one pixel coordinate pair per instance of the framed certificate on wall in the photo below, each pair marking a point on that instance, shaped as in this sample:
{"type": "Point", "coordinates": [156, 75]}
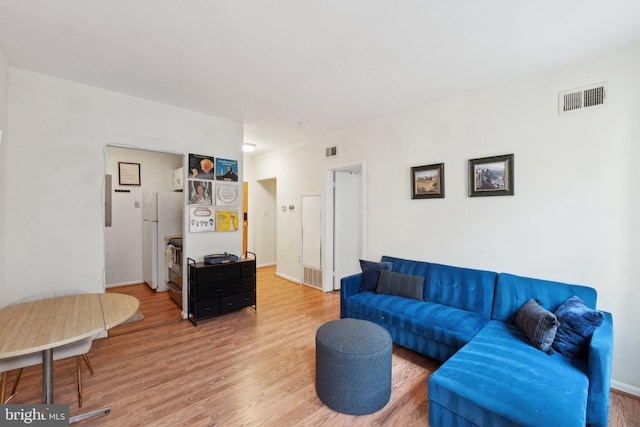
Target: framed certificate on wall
{"type": "Point", "coordinates": [129, 173]}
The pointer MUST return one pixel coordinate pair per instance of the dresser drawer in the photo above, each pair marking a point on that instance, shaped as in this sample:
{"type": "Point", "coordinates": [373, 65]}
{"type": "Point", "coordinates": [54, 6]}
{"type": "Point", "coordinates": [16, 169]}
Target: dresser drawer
{"type": "Point", "coordinates": [218, 290]}
{"type": "Point", "coordinates": [248, 268]}
{"type": "Point", "coordinates": [230, 303]}
{"type": "Point", "coordinates": [248, 298]}
{"type": "Point", "coordinates": [248, 284]}
{"type": "Point", "coordinates": [206, 308]}
{"type": "Point", "coordinates": [217, 273]}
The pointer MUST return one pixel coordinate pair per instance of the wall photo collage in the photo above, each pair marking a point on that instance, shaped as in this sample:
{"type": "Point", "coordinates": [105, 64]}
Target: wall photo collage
{"type": "Point", "coordinates": [214, 194]}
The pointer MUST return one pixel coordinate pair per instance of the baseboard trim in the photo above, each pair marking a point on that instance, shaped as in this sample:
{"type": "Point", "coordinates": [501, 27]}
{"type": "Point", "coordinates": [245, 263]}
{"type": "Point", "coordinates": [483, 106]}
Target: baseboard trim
{"type": "Point", "coordinates": [291, 279]}
{"type": "Point", "coordinates": [269, 264]}
{"type": "Point", "coordinates": [625, 388]}
{"type": "Point", "coordinates": [115, 285]}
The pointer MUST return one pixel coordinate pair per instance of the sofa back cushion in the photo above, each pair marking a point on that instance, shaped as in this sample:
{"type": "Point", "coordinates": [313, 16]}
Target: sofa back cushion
{"type": "Point", "coordinates": [463, 288]}
{"type": "Point", "coordinates": [513, 291]}
{"type": "Point", "coordinates": [407, 266]}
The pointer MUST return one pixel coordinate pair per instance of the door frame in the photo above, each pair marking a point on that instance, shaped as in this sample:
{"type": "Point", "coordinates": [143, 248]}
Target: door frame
{"type": "Point", "coordinates": [328, 211]}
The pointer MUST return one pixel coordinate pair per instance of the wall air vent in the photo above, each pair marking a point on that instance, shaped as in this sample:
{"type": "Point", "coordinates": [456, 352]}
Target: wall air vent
{"type": "Point", "coordinates": [330, 152]}
{"type": "Point", "coordinates": [581, 98]}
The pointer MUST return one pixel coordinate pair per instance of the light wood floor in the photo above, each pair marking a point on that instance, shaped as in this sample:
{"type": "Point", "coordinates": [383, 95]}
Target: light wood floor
{"type": "Point", "coordinates": [157, 307]}
{"type": "Point", "coordinates": [244, 368]}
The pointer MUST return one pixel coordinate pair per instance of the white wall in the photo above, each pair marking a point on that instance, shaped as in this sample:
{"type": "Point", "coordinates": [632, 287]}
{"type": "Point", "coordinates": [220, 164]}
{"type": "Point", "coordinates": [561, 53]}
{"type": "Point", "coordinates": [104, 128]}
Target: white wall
{"type": "Point", "coordinates": [4, 120]}
{"type": "Point", "coordinates": [123, 240]}
{"type": "Point", "coordinates": [297, 171]}
{"type": "Point", "coordinates": [55, 172]}
{"type": "Point", "coordinates": [572, 216]}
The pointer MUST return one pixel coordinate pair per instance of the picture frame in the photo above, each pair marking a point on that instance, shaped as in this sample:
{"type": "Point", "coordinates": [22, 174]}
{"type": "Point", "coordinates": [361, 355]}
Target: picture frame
{"type": "Point", "coordinates": [427, 182]}
{"type": "Point", "coordinates": [128, 173]}
{"type": "Point", "coordinates": [491, 176]}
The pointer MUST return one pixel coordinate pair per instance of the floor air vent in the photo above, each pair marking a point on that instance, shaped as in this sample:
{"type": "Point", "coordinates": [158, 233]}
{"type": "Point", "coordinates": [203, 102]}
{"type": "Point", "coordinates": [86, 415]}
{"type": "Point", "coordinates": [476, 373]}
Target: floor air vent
{"type": "Point", "coordinates": [581, 98]}
{"type": "Point", "coordinates": [313, 277]}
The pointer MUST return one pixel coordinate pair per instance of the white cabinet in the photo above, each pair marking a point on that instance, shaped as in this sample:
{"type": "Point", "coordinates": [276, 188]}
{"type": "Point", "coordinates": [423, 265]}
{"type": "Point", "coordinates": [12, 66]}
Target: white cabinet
{"type": "Point", "coordinates": [178, 183]}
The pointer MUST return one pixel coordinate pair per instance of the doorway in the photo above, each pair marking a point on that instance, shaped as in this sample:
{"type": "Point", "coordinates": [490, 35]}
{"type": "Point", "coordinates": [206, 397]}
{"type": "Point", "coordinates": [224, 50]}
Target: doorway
{"type": "Point", "coordinates": [245, 217]}
{"type": "Point", "coordinates": [344, 223]}
{"type": "Point", "coordinates": [124, 230]}
{"type": "Point", "coordinates": [265, 218]}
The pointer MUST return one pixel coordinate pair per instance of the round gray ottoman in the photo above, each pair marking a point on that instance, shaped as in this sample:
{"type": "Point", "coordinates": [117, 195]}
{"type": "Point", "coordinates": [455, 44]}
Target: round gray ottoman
{"type": "Point", "coordinates": [353, 366]}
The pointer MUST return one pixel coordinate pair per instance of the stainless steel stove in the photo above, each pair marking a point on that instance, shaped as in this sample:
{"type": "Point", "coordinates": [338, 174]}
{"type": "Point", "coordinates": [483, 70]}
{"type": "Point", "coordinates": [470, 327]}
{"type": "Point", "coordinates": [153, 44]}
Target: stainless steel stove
{"type": "Point", "coordinates": [174, 264]}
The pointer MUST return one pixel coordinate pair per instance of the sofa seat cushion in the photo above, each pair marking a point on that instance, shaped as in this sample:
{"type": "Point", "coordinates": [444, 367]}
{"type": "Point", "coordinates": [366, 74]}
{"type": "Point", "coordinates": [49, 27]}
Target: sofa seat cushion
{"type": "Point", "coordinates": [448, 325]}
{"type": "Point", "coordinates": [500, 379]}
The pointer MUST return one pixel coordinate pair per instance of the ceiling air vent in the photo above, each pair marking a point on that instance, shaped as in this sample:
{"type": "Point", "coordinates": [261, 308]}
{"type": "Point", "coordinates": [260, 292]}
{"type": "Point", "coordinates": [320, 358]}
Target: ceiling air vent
{"type": "Point", "coordinates": [581, 98]}
{"type": "Point", "coordinates": [330, 152]}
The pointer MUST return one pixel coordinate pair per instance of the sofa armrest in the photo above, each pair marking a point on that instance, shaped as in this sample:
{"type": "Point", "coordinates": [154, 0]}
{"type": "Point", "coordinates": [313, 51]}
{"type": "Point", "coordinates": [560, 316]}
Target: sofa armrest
{"type": "Point", "coordinates": [600, 357]}
{"type": "Point", "coordinates": [349, 285]}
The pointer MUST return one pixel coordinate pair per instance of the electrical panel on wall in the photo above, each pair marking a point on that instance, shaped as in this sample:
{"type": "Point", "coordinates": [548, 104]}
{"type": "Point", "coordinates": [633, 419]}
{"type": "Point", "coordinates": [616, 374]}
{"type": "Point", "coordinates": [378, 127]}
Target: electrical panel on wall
{"type": "Point", "coordinates": [586, 97]}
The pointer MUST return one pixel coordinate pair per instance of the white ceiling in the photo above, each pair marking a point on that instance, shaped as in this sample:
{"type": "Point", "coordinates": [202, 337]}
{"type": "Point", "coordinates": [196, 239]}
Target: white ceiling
{"type": "Point", "coordinates": [272, 64]}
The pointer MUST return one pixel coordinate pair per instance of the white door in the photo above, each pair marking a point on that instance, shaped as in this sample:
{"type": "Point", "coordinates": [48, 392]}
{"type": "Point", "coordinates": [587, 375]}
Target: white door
{"type": "Point", "coordinates": [347, 223]}
{"type": "Point", "coordinates": [344, 223]}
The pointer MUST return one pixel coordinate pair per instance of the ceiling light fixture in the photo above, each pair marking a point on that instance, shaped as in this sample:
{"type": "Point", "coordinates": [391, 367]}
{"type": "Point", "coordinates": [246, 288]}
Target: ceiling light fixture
{"type": "Point", "coordinates": [247, 147]}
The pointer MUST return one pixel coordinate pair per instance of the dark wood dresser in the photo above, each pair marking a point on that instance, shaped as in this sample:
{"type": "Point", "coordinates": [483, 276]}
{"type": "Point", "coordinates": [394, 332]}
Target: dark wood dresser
{"type": "Point", "coordinates": [216, 289]}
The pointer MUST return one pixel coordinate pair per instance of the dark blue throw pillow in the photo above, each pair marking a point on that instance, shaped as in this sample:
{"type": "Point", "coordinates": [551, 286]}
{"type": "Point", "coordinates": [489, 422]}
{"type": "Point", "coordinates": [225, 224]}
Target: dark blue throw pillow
{"type": "Point", "coordinates": [370, 271]}
{"type": "Point", "coordinates": [402, 285]}
{"type": "Point", "coordinates": [538, 324]}
{"type": "Point", "coordinates": [577, 323]}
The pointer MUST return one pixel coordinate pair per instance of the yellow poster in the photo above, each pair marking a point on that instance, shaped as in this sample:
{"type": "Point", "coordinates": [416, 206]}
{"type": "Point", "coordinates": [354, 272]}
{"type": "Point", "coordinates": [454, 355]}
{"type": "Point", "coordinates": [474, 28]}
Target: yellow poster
{"type": "Point", "coordinates": [226, 220]}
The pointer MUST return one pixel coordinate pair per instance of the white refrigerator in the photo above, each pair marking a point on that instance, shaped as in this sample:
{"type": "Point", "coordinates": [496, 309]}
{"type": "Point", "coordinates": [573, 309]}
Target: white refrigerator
{"type": "Point", "coordinates": [161, 217]}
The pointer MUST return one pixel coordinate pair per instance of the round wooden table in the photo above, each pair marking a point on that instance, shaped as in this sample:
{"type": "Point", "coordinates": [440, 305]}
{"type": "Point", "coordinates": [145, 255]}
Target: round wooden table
{"type": "Point", "coordinates": [45, 324]}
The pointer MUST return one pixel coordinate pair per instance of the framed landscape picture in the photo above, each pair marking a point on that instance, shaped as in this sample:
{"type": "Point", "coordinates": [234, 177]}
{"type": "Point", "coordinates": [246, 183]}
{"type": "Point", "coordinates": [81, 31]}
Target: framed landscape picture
{"type": "Point", "coordinates": [427, 181]}
{"type": "Point", "coordinates": [491, 176]}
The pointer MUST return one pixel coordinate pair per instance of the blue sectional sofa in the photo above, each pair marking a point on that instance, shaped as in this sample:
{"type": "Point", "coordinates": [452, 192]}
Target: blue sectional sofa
{"type": "Point", "coordinates": [492, 375]}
